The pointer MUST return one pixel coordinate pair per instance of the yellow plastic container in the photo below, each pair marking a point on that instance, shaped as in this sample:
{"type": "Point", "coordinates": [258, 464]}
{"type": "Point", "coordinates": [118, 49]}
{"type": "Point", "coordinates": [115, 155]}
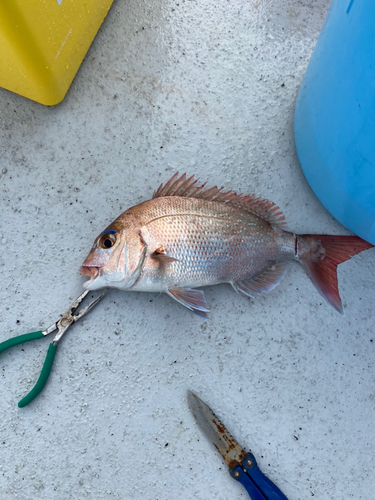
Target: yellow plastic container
{"type": "Point", "coordinates": [43, 43]}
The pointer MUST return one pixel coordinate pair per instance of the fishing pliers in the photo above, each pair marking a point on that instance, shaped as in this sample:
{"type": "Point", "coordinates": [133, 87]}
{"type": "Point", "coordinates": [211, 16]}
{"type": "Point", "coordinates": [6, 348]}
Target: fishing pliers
{"type": "Point", "coordinates": [61, 326]}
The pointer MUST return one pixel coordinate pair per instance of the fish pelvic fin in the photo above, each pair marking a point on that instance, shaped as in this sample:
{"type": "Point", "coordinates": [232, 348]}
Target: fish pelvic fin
{"type": "Point", "coordinates": [320, 255]}
{"type": "Point", "coordinates": [191, 298]}
{"type": "Point", "coordinates": [191, 188]}
{"type": "Point", "coordinates": [264, 282]}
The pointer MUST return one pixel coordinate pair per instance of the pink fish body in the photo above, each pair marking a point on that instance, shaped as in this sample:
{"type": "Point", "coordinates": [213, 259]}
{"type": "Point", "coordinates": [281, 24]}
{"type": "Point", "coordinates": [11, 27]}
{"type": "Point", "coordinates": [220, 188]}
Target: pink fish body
{"type": "Point", "coordinates": [188, 237]}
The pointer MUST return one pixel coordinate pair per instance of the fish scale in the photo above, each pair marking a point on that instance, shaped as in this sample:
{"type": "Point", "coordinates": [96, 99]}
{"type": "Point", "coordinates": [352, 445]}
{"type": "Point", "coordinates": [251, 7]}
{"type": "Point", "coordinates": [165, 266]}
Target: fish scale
{"type": "Point", "coordinates": [199, 229]}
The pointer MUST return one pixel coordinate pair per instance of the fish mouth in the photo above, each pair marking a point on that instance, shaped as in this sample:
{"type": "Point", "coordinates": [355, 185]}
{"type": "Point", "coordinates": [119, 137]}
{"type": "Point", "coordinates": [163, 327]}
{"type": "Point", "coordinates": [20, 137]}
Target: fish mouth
{"type": "Point", "coordinates": [90, 271]}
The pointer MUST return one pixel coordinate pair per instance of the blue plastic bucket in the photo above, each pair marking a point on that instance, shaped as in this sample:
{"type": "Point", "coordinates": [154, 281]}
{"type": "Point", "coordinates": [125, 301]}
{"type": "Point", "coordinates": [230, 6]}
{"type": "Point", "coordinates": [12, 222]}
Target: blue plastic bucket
{"type": "Point", "coordinates": [334, 123]}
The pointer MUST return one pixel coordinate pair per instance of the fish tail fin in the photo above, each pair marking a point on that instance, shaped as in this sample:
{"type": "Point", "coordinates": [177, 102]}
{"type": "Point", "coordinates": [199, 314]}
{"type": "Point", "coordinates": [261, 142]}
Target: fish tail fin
{"type": "Point", "coordinates": [320, 255]}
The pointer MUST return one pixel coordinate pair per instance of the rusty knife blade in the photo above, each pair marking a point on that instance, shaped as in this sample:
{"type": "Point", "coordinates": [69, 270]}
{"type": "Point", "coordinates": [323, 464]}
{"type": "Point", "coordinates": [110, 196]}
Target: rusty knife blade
{"type": "Point", "coordinates": [215, 431]}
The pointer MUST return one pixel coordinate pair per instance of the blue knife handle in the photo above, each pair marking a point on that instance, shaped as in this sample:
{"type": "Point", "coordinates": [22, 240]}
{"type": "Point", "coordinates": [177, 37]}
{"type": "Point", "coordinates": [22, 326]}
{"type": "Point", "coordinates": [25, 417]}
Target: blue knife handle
{"type": "Point", "coordinates": [258, 486]}
{"type": "Point", "coordinates": [240, 475]}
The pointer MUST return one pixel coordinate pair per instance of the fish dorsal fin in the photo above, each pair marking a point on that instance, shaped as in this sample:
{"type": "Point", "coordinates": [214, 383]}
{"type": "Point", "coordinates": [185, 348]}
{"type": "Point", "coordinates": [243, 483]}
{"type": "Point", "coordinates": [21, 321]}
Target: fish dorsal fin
{"type": "Point", "coordinates": [191, 188]}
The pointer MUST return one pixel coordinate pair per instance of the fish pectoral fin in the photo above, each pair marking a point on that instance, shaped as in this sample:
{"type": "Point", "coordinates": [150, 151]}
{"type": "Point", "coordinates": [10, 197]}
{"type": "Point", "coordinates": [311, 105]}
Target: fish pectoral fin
{"type": "Point", "coordinates": [264, 282]}
{"type": "Point", "coordinates": [160, 255]}
{"type": "Point", "coordinates": [191, 298]}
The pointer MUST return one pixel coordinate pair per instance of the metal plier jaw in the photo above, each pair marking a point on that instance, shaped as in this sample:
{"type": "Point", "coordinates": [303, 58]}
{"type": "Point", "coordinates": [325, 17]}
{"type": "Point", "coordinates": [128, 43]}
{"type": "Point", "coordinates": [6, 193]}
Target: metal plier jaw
{"type": "Point", "coordinates": [70, 317]}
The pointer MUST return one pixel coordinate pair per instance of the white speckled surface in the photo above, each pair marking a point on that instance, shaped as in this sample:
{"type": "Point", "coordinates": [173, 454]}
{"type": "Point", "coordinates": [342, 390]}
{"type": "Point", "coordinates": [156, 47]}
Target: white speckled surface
{"type": "Point", "coordinates": [208, 88]}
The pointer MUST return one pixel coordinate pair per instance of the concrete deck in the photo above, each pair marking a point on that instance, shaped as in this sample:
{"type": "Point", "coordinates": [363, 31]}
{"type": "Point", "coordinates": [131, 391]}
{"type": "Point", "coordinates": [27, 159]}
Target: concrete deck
{"type": "Point", "coordinates": [207, 87]}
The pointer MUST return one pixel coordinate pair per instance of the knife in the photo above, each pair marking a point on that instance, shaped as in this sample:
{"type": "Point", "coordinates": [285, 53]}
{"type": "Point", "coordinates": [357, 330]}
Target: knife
{"type": "Point", "coordinates": [242, 465]}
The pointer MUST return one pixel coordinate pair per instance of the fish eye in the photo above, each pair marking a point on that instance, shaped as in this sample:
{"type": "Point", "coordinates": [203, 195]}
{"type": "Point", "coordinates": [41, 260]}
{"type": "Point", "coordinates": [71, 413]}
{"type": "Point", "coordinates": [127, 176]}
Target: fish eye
{"type": "Point", "coordinates": [107, 240]}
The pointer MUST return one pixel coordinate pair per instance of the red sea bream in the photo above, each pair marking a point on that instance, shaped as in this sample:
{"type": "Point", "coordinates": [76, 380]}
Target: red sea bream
{"type": "Point", "coordinates": [188, 236]}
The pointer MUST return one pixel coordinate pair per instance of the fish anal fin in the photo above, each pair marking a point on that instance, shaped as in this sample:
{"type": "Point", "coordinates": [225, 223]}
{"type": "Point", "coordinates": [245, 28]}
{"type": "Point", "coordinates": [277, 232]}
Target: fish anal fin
{"type": "Point", "coordinates": [191, 188]}
{"type": "Point", "coordinates": [191, 298]}
{"type": "Point", "coordinates": [160, 255]}
{"type": "Point", "coordinates": [264, 282]}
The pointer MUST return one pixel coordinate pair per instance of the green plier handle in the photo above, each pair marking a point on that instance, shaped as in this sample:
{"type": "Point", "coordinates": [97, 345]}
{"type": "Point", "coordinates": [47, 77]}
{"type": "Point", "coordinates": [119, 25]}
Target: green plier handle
{"type": "Point", "coordinates": [47, 366]}
{"type": "Point", "coordinates": [62, 325]}
{"type": "Point", "coordinates": [7, 344]}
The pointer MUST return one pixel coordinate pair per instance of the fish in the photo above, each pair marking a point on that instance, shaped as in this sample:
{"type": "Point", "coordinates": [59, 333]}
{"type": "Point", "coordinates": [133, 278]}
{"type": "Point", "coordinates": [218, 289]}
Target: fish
{"type": "Point", "coordinates": [189, 236]}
